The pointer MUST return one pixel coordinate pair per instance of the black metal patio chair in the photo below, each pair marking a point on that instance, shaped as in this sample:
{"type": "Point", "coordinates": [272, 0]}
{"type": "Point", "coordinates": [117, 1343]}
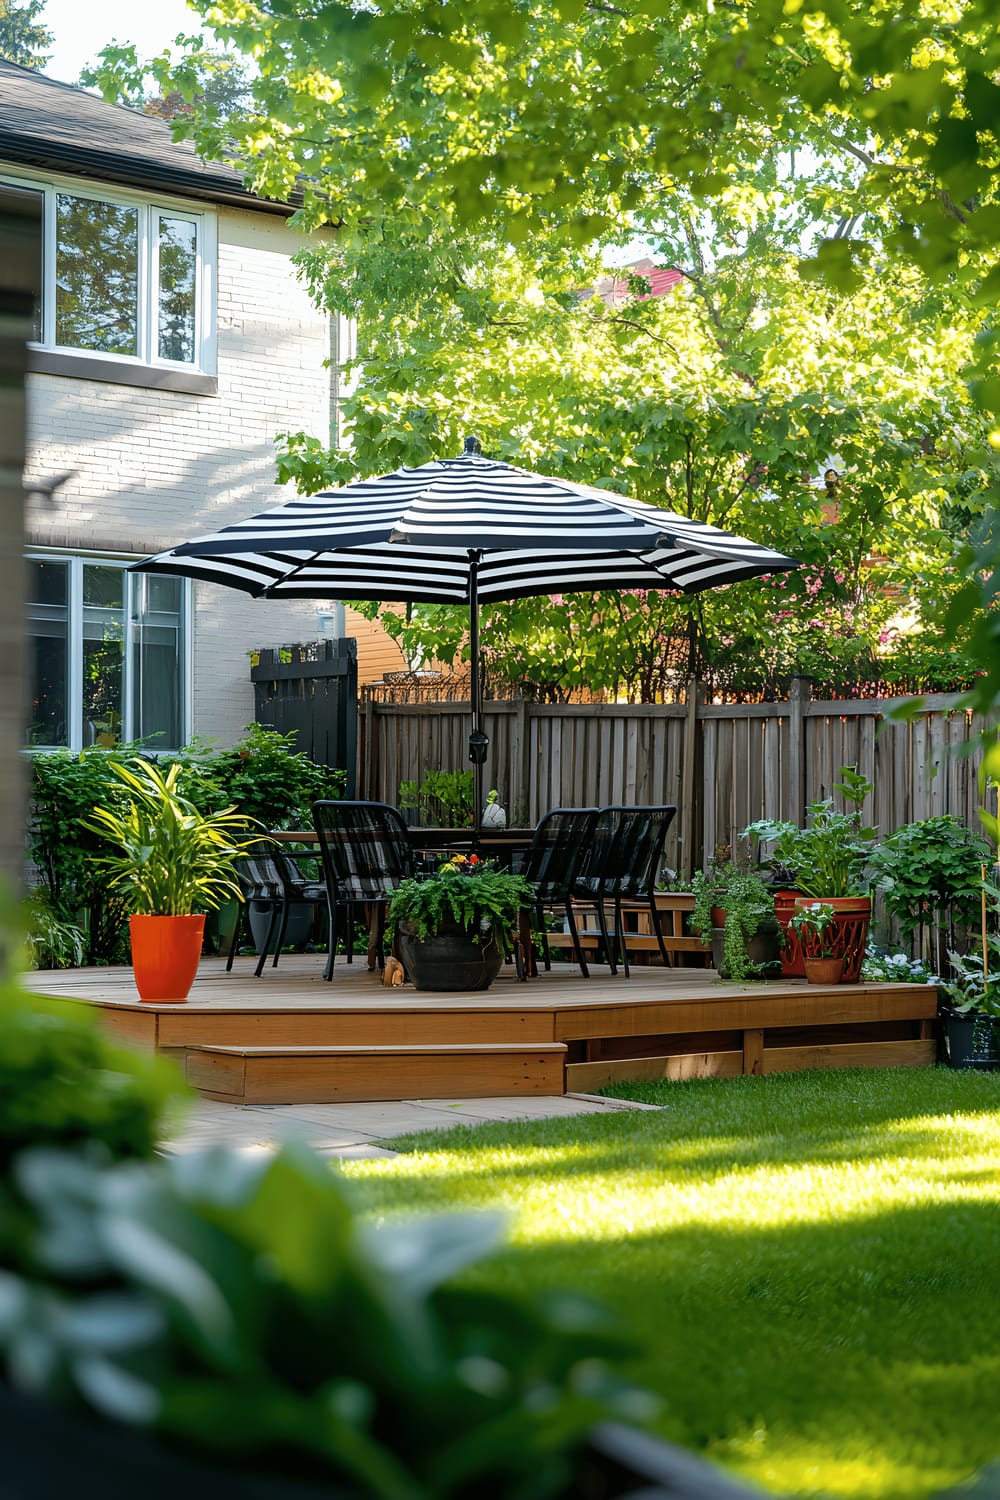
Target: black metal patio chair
{"type": "Point", "coordinates": [366, 854]}
{"type": "Point", "coordinates": [273, 880]}
{"type": "Point", "coordinates": [551, 865]}
{"type": "Point", "coordinates": [622, 865]}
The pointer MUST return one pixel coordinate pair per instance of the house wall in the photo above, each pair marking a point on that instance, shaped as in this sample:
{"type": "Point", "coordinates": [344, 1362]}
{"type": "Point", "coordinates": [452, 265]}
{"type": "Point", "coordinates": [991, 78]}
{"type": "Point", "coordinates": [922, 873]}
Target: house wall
{"type": "Point", "coordinates": [154, 468]}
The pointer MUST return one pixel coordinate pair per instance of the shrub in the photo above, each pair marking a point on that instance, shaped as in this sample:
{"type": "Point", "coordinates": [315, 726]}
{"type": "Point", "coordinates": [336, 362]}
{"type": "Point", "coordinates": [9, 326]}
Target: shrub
{"type": "Point", "coordinates": [928, 870]}
{"type": "Point", "coordinates": [63, 1082]}
{"type": "Point", "coordinates": [443, 799]}
{"type": "Point", "coordinates": [50, 942]}
{"type": "Point", "coordinates": [265, 778]}
{"type": "Point", "coordinates": [262, 775]}
{"type": "Point", "coordinates": [65, 788]}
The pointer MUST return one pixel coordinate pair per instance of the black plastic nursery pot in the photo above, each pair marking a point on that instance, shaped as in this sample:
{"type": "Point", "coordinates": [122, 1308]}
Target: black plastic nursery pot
{"type": "Point", "coordinates": [971, 1042]}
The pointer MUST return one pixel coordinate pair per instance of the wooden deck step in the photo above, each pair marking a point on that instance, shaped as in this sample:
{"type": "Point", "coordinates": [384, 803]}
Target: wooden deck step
{"type": "Point", "coordinates": [334, 1075]}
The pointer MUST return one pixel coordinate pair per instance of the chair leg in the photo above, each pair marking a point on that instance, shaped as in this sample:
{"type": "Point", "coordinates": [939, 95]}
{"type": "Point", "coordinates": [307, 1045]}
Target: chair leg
{"type": "Point", "coordinates": [349, 945]}
{"type": "Point", "coordinates": [243, 908]}
{"type": "Point", "coordinates": [282, 929]}
{"type": "Point", "coordinates": [265, 946]}
{"type": "Point", "coordinates": [377, 933]}
{"type": "Point", "coordinates": [540, 916]}
{"type": "Point", "coordinates": [620, 934]}
{"type": "Point", "coordinates": [331, 928]}
{"type": "Point", "coordinates": [654, 917]}
{"type": "Point", "coordinates": [602, 922]}
{"type": "Point", "coordinates": [577, 945]}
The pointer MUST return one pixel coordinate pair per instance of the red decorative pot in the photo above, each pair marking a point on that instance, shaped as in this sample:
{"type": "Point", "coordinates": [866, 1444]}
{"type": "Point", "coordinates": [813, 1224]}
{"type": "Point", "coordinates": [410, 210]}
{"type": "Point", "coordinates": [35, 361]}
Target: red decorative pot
{"type": "Point", "coordinates": [852, 915]}
{"type": "Point", "coordinates": [792, 958]}
{"type": "Point", "coordinates": [165, 954]}
{"type": "Point", "coordinates": [849, 934]}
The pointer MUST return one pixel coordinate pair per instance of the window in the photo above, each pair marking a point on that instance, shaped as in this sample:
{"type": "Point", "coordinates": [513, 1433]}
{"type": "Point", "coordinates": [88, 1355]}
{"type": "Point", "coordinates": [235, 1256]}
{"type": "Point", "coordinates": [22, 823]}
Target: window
{"type": "Point", "coordinates": [106, 654]}
{"type": "Point", "coordinates": [126, 279]}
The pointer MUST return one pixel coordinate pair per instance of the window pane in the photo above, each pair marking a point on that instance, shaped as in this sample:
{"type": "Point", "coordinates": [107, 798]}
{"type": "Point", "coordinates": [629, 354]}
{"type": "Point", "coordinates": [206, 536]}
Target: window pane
{"type": "Point", "coordinates": [48, 653]}
{"type": "Point", "coordinates": [21, 207]}
{"type": "Point", "coordinates": [103, 651]}
{"type": "Point", "coordinates": [157, 660]}
{"type": "Point", "coordinates": [97, 275]}
{"type": "Point", "coordinates": [178, 263]}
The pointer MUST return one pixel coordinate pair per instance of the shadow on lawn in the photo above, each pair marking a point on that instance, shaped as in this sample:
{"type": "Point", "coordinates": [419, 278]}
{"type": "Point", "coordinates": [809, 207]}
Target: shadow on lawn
{"type": "Point", "coordinates": [856, 1357]}
{"type": "Point", "coordinates": [761, 1123]}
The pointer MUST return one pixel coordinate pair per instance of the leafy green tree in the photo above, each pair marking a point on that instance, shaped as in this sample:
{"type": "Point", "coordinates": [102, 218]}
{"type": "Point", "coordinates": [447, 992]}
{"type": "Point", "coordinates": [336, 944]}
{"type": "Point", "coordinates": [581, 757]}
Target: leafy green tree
{"type": "Point", "coordinates": [22, 37]}
{"type": "Point", "coordinates": [211, 78]}
{"type": "Point", "coordinates": [864, 135]}
{"type": "Point", "coordinates": [713, 401]}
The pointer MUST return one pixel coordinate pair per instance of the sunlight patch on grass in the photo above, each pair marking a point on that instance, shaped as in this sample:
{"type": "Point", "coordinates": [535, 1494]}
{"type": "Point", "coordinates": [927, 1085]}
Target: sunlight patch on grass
{"type": "Point", "coordinates": [807, 1262]}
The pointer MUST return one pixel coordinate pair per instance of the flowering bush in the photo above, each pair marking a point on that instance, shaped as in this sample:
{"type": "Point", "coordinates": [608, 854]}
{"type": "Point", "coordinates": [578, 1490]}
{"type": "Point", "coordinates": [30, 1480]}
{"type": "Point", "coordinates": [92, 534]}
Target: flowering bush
{"type": "Point", "coordinates": [896, 968]}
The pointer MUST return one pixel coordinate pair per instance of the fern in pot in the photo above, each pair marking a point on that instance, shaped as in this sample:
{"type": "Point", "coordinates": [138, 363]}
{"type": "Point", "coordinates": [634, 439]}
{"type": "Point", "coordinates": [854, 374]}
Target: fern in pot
{"type": "Point", "coordinates": [451, 927]}
{"type": "Point", "coordinates": [173, 863]}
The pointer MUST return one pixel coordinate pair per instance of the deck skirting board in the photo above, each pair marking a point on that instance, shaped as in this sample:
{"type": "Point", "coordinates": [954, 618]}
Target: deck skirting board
{"type": "Point", "coordinates": [331, 1075]}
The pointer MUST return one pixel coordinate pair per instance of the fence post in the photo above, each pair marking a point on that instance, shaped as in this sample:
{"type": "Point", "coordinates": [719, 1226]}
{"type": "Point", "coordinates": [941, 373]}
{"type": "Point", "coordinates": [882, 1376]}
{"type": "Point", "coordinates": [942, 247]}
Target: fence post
{"type": "Point", "coordinates": [519, 795]}
{"type": "Point", "coordinates": [799, 696]}
{"type": "Point", "coordinates": [690, 811]}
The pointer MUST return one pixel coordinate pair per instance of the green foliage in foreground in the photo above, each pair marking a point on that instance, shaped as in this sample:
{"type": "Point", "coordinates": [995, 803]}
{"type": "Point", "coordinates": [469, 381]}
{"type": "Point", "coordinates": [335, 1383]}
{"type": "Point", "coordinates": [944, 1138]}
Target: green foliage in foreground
{"type": "Point", "coordinates": [238, 1306]}
{"type": "Point", "coordinates": [810, 1260]}
{"type": "Point", "coordinates": [63, 1082]}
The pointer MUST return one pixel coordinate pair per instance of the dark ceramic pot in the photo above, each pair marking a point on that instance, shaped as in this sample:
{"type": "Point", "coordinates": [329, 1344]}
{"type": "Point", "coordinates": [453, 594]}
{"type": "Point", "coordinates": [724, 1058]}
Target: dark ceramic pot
{"type": "Point", "coordinates": [763, 949]}
{"type": "Point", "coordinates": [454, 959]}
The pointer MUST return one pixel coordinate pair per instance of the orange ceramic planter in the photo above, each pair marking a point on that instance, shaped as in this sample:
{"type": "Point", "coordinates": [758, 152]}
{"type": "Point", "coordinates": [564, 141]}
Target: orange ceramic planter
{"type": "Point", "coordinates": [165, 954]}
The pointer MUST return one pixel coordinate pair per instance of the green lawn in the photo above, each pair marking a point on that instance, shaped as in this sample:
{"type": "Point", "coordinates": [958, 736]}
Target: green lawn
{"type": "Point", "coordinates": [811, 1262]}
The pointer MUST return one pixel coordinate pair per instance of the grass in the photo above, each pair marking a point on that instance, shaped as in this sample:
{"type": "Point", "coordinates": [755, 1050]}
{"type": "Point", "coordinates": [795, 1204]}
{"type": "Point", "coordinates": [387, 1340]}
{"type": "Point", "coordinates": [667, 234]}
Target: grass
{"type": "Point", "coordinates": [810, 1263]}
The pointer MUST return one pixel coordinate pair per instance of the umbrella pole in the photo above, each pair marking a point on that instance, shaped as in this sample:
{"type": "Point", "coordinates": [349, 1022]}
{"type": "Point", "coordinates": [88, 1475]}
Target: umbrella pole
{"type": "Point", "coordinates": [478, 743]}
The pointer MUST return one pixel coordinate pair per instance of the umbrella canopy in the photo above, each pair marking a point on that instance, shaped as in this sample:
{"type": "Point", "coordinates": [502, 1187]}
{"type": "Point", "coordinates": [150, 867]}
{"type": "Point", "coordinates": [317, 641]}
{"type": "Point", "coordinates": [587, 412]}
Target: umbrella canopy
{"type": "Point", "coordinates": [462, 530]}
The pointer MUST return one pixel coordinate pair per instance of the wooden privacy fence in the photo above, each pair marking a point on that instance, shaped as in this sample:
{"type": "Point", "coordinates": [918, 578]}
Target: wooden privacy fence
{"type": "Point", "coordinates": [724, 765]}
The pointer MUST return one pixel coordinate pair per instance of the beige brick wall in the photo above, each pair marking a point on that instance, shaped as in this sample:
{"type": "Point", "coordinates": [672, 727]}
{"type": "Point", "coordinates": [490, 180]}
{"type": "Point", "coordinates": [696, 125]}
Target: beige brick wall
{"type": "Point", "coordinates": [155, 468]}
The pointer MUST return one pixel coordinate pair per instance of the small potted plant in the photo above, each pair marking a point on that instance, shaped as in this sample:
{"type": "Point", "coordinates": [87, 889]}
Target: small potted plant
{"type": "Point", "coordinates": [814, 925]}
{"type": "Point", "coordinates": [451, 927]}
{"type": "Point", "coordinates": [826, 860]}
{"type": "Point", "coordinates": [734, 911]}
{"type": "Point", "coordinates": [173, 862]}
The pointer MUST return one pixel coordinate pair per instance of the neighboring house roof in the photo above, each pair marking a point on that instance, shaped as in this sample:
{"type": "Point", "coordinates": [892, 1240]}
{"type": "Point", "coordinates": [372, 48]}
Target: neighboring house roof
{"type": "Point", "coordinates": [56, 127]}
{"type": "Point", "coordinates": [617, 289]}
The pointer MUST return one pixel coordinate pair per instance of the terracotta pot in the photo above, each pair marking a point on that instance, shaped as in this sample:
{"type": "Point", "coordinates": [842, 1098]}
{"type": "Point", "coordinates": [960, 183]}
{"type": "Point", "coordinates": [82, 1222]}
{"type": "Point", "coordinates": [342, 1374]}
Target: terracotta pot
{"type": "Point", "coordinates": [824, 970]}
{"type": "Point", "coordinates": [451, 960]}
{"type": "Point", "coordinates": [165, 954]}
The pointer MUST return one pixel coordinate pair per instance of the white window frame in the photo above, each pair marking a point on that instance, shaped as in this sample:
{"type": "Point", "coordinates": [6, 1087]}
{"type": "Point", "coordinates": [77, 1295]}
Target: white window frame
{"type": "Point", "coordinates": [151, 210]}
{"type": "Point", "coordinates": [76, 562]}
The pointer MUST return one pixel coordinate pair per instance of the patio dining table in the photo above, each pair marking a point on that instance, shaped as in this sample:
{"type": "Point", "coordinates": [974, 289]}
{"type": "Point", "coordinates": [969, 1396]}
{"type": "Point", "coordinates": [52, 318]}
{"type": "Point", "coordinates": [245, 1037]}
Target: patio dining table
{"type": "Point", "coordinates": [500, 844]}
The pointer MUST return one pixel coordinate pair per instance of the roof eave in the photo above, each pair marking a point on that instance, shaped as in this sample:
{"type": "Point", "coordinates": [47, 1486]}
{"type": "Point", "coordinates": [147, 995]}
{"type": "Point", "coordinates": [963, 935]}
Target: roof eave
{"type": "Point", "coordinates": [127, 172]}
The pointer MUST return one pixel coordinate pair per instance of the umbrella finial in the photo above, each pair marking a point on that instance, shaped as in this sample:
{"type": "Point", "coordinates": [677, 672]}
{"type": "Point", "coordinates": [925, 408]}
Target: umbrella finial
{"type": "Point", "coordinates": [472, 445]}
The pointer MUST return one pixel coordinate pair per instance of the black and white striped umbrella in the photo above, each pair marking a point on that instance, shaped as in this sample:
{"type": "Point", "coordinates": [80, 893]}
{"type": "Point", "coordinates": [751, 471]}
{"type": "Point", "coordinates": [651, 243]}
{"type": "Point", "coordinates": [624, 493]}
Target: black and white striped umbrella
{"type": "Point", "coordinates": [415, 535]}
{"type": "Point", "coordinates": [461, 531]}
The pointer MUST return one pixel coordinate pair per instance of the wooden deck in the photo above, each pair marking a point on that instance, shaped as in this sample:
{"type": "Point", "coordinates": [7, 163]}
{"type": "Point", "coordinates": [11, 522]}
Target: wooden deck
{"type": "Point", "coordinates": [291, 1038]}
